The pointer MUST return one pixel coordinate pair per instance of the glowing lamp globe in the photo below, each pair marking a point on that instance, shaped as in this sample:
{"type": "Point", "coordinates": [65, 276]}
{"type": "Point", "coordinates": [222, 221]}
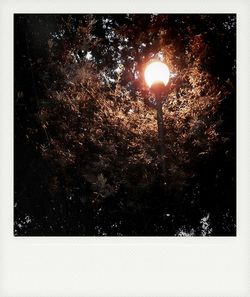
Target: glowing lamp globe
{"type": "Point", "coordinates": [156, 72]}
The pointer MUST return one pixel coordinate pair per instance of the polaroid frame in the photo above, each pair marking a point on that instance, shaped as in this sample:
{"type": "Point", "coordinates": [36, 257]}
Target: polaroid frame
{"type": "Point", "coordinates": [122, 266]}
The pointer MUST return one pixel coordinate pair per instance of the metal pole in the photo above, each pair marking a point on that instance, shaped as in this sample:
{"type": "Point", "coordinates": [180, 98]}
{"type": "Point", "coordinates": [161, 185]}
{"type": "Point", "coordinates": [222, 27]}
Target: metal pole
{"type": "Point", "coordinates": [161, 133]}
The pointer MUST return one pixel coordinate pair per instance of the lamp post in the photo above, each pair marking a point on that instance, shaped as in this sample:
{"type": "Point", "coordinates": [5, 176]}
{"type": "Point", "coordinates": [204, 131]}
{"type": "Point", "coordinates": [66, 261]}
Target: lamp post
{"type": "Point", "coordinates": [157, 77]}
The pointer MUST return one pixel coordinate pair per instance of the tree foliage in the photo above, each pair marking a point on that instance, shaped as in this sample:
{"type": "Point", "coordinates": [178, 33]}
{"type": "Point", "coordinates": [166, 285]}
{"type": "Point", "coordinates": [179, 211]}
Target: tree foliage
{"type": "Point", "coordinates": [87, 156]}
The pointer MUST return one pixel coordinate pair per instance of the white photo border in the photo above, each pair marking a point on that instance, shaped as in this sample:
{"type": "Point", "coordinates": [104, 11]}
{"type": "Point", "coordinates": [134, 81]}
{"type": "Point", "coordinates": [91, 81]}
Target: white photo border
{"type": "Point", "coordinates": [124, 266]}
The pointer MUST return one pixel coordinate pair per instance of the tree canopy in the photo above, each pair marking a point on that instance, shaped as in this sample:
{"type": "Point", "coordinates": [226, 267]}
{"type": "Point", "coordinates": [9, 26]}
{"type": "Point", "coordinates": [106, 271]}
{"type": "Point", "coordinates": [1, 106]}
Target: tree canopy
{"type": "Point", "coordinates": [86, 149]}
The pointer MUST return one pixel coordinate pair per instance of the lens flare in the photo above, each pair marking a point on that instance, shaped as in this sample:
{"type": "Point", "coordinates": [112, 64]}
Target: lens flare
{"type": "Point", "coordinates": [156, 72]}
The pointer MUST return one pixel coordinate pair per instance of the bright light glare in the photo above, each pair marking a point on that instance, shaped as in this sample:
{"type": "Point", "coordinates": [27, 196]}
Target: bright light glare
{"type": "Point", "coordinates": [156, 72]}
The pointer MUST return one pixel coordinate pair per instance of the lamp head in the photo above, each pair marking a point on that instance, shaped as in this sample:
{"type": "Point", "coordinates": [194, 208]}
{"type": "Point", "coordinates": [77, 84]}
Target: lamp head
{"type": "Point", "coordinates": [156, 73]}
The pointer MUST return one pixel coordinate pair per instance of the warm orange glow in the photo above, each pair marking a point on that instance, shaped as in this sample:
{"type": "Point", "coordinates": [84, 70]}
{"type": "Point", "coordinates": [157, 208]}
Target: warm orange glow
{"type": "Point", "coordinates": [156, 72]}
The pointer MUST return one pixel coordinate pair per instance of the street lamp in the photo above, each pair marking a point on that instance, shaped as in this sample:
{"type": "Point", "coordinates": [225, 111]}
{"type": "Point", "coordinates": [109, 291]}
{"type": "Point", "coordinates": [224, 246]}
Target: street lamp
{"type": "Point", "coordinates": [157, 76]}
